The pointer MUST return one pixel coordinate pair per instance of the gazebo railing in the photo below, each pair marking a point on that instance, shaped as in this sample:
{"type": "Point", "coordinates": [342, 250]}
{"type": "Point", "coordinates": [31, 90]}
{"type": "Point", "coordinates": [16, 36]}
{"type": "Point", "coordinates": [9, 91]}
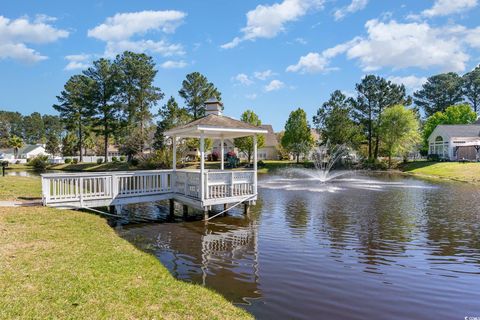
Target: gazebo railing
{"type": "Point", "coordinates": [224, 184]}
{"type": "Point", "coordinates": [80, 187]}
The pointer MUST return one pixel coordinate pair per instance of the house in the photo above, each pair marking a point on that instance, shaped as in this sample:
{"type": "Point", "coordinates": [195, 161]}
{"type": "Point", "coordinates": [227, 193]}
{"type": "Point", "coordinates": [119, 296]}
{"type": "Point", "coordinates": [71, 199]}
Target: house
{"type": "Point", "coordinates": [27, 152]}
{"type": "Point", "coordinates": [455, 142]}
{"type": "Point", "coordinates": [269, 150]}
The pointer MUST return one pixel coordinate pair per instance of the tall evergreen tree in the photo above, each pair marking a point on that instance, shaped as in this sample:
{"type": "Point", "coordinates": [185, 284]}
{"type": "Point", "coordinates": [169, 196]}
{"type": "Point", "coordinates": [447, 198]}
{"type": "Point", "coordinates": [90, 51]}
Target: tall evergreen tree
{"type": "Point", "coordinates": [75, 107]}
{"type": "Point", "coordinates": [136, 90]}
{"type": "Point", "coordinates": [34, 129]}
{"type": "Point", "coordinates": [171, 115]}
{"type": "Point", "coordinates": [53, 125]}
{"type": "Point", "coordinates": [471, 88]}
{"type": "Point", "coordinates": [297, 138]}
{"type": "Point", "coordinates": [439, 92]}
{"type": "Point", "coordinates": [374, 95]}
{"type": "Point", "coordinates": [196, 89]}
{"type": "Point", "coordinates": [107, 110]}
{"type": "Point", "coordinates": [334, 121]}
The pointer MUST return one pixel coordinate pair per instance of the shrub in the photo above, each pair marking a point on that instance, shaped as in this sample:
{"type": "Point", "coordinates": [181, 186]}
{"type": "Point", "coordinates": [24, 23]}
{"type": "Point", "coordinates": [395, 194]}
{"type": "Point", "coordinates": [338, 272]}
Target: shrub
{"type": "Point", "coordinates": [74, 160]}
{"type": "Point", "coordinates": [160, 159]}
{"type": "Point", "coordinates": [215, 155]}
{"type": "Point", "coordinates": [122, 158]}
{"type": "Point", "coordinates": [114, 159]}
{"type": "Point", "coordinates": [39, 163]}
{"type": "Point", "coordinates": [134, 162]}
{"type": "Point", "coordinates": [231, 154]}
{"type": "Point", "coordinates": [433, 157]}
{"type": "Point", "coordinates": [99, 160]}
{"type": "Point", "coordinates": [17, 162]}
{"type": "Point", "coordinates": [260, 164]}
{"type": "Point", "coordinates": [68, 160]}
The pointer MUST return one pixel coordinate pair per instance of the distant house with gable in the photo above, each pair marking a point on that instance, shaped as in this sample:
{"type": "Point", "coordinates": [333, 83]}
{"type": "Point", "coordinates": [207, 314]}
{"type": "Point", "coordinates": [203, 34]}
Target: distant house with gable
{"type": "Point", "coordinates": [455, 142]}
{"type": "Point", "coordinates": [27, 152]}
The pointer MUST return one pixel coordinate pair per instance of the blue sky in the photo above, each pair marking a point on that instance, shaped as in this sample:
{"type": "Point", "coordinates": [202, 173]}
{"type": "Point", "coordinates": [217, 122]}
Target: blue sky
{"type": "Point", "coordinates": [269, 56]}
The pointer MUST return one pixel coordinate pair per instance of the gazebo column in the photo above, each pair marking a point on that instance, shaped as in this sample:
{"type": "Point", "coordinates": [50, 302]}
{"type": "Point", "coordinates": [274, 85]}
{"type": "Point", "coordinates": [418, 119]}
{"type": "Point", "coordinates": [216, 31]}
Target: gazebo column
{"type": "Point", "coordinates": [174, 161]}
{"type": "Point", "coordinates": [202, 173]}
{"type": "Point", "coordinates": [222, 152]}
{"type": "Point", "coordinates": [255, 164]}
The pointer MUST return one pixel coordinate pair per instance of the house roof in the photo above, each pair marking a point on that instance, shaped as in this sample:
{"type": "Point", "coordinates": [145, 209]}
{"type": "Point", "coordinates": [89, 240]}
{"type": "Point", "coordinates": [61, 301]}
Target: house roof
{"type": "Point", "coordinates": [457, 130]}
{"type": "Point", "coordinates": [25, 149]}
{"type": "Point", "coordinates": [215, 126]}
{"type": "Point", "coordinates": [270, 137]}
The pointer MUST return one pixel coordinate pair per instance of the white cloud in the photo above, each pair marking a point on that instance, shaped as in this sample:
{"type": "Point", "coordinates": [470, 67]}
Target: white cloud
{"type": "Point", "coordinates": [447, 7]}
{"type": "Point", "coordinates": [251, 96]}
{"type": "Point", "coordinates": [311, 63]}
{"type": "Point", "coordinates": [118, 30]}
{"type": "Point", "coordinates": [274, 85]}
{"type": "Point", "coordinates": [412, 83]}
{"type": "Point", "coordinates": [161, 47]}
{"type": "Point", "coordinates": [170, 64]}
{"type": "Point", "coordinates": [267, 21]}
{"type": "Point", "coordinates": [243, 79]}
{"type": "Point", "coordinates": [319, 62]}
{"type": "Point", "coordinates": [15, 34]}
{"type": "Point", "coordinates": [77, 61]}
{"type": "Point", "coordinates": [263, 75]}
{"type": "Point", "coordinates": [354, 6]}
{"type": "Point", "coordinates": [124, 25]}
{"type": "Point", "coordinates": [399, 45]}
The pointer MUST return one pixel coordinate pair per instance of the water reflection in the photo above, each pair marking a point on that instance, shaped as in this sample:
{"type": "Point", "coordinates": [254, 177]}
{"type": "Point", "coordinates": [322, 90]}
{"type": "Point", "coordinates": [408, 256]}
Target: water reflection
{"type": "Point", "coordinates": [371, 246]}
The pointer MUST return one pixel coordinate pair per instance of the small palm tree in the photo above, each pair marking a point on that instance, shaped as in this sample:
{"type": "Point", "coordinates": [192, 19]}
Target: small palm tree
{"type": "Point", "coordinates": [16, 143]}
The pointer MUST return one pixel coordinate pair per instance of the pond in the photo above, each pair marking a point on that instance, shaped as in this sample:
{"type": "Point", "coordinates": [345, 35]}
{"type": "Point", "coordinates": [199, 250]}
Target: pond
{"type": "Point", "coordinates": [363, 246]}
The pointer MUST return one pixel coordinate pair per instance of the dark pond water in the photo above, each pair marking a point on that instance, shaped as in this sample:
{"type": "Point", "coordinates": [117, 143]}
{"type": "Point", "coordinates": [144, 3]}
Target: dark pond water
{"type": "Point", "coordinates": [360, 247]}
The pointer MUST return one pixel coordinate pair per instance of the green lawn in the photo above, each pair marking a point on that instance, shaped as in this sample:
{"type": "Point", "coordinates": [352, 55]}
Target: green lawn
{"type": "Point", "coordinates": [109, 166]}
{"type": "Point", "coordinates": [20, 188]}
{"type": "Point", "coordinates": [467, 172]}
{"type": "Point", "coordinates": [70, 264]}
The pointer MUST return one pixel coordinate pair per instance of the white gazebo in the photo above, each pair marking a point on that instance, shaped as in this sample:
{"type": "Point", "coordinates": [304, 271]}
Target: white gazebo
{"type": "Point", "coordinates": [217, 186]}
{"type": "Point", "coordinates": [201, 189]}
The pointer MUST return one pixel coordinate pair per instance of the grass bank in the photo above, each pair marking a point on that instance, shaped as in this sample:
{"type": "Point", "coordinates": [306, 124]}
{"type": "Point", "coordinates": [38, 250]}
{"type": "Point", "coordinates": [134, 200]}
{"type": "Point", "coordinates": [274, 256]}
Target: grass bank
{"type": "Point", "coordinates": [466, 172]}
{"type": "Point", "coordinates": [20, 188]}
{"type": "Point", "coordinates": [69, 264]}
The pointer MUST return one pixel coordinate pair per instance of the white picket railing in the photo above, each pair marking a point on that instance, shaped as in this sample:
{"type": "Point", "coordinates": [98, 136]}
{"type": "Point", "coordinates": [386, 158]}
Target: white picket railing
{"type": "Point", "coordinates": [223, 184]}
{"type": "Point", "coordinates": [78, 187]}
{"type": "Point", "coordinates": [59, 188]}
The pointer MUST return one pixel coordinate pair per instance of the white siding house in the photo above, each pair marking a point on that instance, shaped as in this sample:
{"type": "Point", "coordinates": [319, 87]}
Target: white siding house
{"type": "Point", "coordinates": [27, 152]}
{"type": "Point", "coordinates": [455, 142]}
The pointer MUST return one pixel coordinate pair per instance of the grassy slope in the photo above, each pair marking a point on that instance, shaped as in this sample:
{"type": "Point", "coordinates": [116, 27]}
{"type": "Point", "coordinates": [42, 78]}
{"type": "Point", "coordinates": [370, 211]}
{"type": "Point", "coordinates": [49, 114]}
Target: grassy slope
{"type": "Point", "coordinates": [467, 172]}
{"type": "Point", "coordinates": [20, 188]}
{"type": "Point", "coordinates": [68, 264]}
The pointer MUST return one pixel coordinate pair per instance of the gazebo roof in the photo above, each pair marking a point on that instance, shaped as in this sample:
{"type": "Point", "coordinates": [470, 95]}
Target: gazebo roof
{"type": "Point", "coordinates": [215, 126]}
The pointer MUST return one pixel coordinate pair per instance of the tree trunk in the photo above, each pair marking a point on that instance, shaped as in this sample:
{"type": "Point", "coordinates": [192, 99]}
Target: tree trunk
{"type": "Point", "coordinates": [369, 133]}
{"type": "Point", "coordinates": [105, 132]}
{"type": "Point", "coordinates": [298, 157]}
{"type": "Point", "coordinates": [80, 140]}
{"type": "Point", "coordinates": [249, 154]}
{"type": "Point", "coordinates": [377, 142]}
{"type": "Point", "coordinates": [389, 160]}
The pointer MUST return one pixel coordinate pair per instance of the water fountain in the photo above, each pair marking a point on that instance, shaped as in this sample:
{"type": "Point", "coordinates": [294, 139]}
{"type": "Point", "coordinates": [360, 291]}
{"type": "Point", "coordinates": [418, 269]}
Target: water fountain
{"type": "Point", "coordinates": [316, 179]}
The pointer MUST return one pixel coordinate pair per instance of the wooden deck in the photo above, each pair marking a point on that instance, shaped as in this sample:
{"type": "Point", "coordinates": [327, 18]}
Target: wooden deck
{"type": "Point", "coordinates": [89, 190]}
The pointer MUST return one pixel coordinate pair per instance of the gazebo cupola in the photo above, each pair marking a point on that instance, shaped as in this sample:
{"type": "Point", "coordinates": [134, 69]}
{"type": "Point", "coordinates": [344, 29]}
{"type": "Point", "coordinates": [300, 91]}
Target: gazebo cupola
{"type": "Point", "coordinates": [213, 106]}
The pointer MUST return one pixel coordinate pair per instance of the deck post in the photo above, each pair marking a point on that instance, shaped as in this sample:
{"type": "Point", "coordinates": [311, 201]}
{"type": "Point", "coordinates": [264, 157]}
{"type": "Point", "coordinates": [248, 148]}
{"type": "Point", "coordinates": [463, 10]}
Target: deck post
{"type": "Point", "coordinates": [185, 211]}
{"type": "Point", "coordinates": [255, 164]}
{"type": "Point", "coordinates": [171, 208]}
{"type": "Point", "coordinates": [205, 213]}
{"type": "Point", "coordinates": [202, 165]}
{"type": "Point", "coordinates": [222, 152]}
{"type": "Point", "coordinates": [246, 208]}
